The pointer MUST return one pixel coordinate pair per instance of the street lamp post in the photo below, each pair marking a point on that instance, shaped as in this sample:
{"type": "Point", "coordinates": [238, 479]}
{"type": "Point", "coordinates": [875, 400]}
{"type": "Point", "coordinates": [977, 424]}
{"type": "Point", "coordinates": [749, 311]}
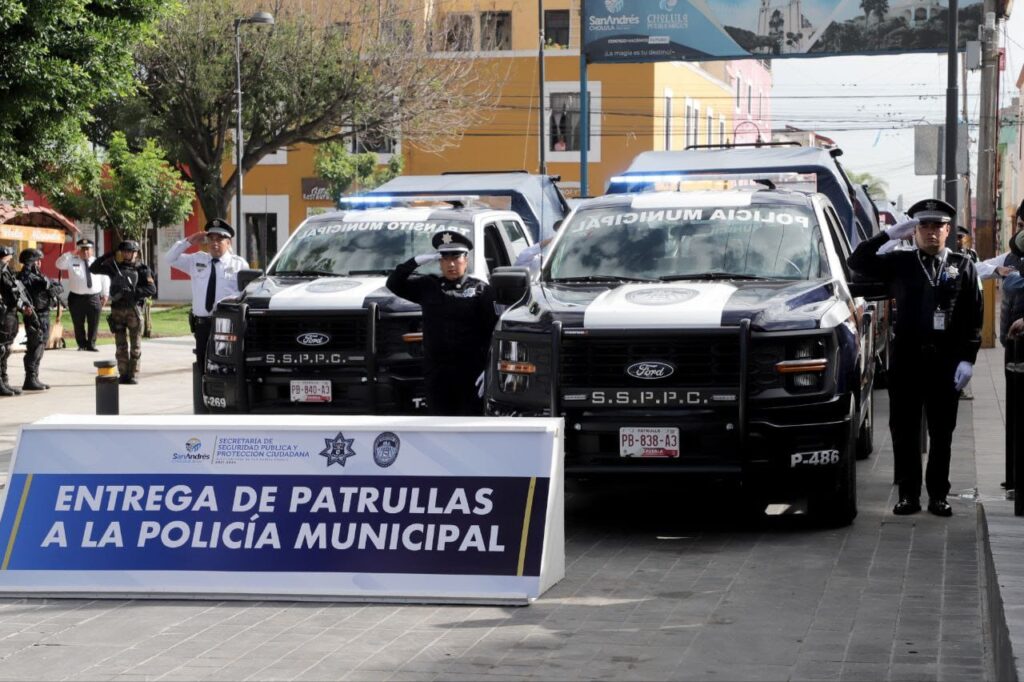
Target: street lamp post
{"type": "Point", "coordinates": [265, 18]}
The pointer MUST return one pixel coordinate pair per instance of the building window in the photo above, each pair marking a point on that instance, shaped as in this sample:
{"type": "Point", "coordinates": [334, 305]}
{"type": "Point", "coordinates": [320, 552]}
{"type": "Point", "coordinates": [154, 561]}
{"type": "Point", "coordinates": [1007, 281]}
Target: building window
{"type": "Point", "coordinates": [721, 130]}
{"type": "Point", "coordinates": [496, 31]}
{"type": "Point", "coordinates": [668, 122]}
{"type": "Point", "coordinates": [556, 27]}
{"type": "Point", "coordinates": [374, 141]}
{"type": "Point", "coordinates": [563, 120]}
{"type": "Point", "coordinates": [459, 35]}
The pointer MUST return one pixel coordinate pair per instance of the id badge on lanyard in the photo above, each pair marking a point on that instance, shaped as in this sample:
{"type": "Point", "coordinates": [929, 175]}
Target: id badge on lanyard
{"type": "Point", "coordinates": [940, 317]}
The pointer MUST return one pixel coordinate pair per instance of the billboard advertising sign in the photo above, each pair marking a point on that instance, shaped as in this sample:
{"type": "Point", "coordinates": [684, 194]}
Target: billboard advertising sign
{"type": "Point", "coordinates": [413, 509]}
{"type": "Point", "coordinates": [679, 30]}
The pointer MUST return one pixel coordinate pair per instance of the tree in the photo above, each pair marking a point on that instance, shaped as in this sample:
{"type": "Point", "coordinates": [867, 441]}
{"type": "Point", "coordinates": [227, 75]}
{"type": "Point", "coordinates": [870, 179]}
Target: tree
{"type": "Point", "coordinates": [124, 191]}
{"type": "Point", "coordinates": [60, 59]}
{"type": "Point", "coordinates": [345, 171]}
{"type": "Point", "coordinates": [326, 71]}
{"type": "Point", "coordinates": [877, 7]}
{"type": "Point", "coordinates": [874, 186]}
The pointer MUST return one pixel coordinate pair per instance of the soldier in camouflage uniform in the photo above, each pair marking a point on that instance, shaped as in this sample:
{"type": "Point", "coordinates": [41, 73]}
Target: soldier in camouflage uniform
{"type": "Point", "coordinates": [131, 283]}
{"type": "Point", "coordinates": [43, 294]}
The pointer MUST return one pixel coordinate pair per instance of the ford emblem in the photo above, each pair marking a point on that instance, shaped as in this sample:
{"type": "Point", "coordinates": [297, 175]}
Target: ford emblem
{"type": "Point", "coordinates": [651, 369]}
{"type": "Point", "coordinates": [313, 339]}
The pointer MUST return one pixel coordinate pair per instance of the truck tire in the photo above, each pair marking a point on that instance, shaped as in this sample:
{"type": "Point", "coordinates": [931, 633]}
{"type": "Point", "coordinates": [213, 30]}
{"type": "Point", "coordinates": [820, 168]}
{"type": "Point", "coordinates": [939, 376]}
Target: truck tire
{"type": "Point", "coordinates": [835, 505]}
{"type": "Point", "coordinates": [866, 433]}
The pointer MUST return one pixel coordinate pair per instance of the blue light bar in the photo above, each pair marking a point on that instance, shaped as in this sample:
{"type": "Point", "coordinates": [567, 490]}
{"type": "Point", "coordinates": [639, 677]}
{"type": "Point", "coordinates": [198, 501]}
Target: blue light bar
{"type": "Point", "coordinates": [369, 200]}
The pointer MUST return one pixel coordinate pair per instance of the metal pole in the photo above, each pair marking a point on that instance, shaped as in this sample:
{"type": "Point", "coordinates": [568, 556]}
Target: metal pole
{"type": "Point", "coordinates": [241, 241]}
{"type": "Point", "coordinates": [986, 237]}
{"type": "Point", "coordinates": [952, 129]}
{"type": "Point", "coordinates": [541, 117]}
{"type": "Point", "coordinates": [584, 108]}
{"type": "Point", "coordinates": [106, 387]}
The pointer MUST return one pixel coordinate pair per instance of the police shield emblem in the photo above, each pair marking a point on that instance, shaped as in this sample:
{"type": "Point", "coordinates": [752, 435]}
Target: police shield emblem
{"type": "Point", "coordinates": [385, 449]}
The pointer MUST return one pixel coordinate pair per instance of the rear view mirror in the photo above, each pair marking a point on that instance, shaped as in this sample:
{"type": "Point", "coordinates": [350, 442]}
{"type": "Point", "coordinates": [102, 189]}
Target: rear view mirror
{"type": "Point", "coordinates": [510, 284]}
{"type": "Point", "coordinates": [245, 277]}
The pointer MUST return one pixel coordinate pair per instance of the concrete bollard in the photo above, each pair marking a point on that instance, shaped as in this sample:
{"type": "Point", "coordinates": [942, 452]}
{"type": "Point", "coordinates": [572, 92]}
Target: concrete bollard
{"type": "Point", "coordinates": [106, 387]}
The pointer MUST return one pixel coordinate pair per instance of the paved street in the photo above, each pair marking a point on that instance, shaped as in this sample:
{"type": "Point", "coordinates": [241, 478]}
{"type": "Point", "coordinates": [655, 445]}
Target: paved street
{"type": "Point", "coordinates": [658, 586]}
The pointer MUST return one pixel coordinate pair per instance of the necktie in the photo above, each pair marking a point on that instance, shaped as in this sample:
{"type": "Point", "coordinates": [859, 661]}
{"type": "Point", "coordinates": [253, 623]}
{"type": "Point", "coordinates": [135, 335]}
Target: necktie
{"type": "Point", "coordinates": [88, 276]}
{"type": "Point", "coordinates": [211, 286]}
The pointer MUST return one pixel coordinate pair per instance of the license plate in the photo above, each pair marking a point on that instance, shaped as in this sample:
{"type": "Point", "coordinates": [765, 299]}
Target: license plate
{"type": "Point", "coordinates": [648, 441]}
{"type": "Point", "coordinates": [311, 391]}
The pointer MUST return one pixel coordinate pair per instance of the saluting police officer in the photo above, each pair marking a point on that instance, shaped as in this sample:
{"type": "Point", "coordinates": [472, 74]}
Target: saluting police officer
{"type": "Point", "coordinates": [214, 275]}
{"type": "Point", "coordinates": [86, 294]}
{"type": "Point", "coordinates": [131, 283]}
{"type": "Point", "coordinates": [43, 294]}
{"type": "Point", "coordinates": [12, 299]}
{"type": "Point", "coordinates": [458, 319]}
{"type": "Point", "coordinates": [937, 336]}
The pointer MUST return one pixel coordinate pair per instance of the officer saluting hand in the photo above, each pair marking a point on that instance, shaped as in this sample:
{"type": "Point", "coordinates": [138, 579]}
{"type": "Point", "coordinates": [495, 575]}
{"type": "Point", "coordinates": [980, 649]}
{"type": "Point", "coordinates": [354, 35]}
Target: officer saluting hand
{"type": "Point", "coordinates": [458, 318]}
{"type": "Point", "coordinates": [937, 336]}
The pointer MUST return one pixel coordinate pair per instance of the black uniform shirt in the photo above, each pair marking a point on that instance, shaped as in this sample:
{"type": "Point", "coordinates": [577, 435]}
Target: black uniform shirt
{"type": "Point", "coordinates": [458, 317]}
{"type": "Point", "coordinates": [38, 288]}
{"type": "Point", "coordinates": [956, 292]}
{"type": "Point", "coordinates": [130, 283]}
{"type": "Point", "coordinates": [11, 295]}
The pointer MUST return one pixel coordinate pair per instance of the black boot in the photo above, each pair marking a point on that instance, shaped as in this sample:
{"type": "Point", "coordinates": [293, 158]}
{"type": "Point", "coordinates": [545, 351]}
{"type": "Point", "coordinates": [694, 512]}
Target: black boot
{"type": "Point", "coordinates": [32, 383]}
{"type": "Point", "coordinates": [5, 390]}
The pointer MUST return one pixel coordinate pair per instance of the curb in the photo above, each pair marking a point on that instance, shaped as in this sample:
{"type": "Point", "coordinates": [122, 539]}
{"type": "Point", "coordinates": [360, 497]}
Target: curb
{"type": "Point", "coordinates": [993, 616]}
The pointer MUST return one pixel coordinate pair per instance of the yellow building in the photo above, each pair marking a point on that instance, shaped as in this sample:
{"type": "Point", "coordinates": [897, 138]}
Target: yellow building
{"type": "Point", "coordinates": [633, 108]}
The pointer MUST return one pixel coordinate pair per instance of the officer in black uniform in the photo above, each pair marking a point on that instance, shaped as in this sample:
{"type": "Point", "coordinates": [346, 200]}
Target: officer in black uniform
{"type": "Point", "coordinates": [12, 299]}
{"type": "Point", "coordinates": [962, 237]}
{"type": "Point", "coordinates": [458, 319]}
{"type": "Point", "coordinates": [43, 294]}
{"type": "Point", "coordinates": [937, 336]}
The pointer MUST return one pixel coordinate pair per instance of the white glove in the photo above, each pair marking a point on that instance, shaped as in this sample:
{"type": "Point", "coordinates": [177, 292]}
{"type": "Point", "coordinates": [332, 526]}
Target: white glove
{"type": "Point", "coordinates": [425, 258]}
{"type": "Point", "coordinates": [902, 230]}
{"type": "Point", "coordinates": [480, 385]}
{"type": "Point", "coordinates": [964, 372]}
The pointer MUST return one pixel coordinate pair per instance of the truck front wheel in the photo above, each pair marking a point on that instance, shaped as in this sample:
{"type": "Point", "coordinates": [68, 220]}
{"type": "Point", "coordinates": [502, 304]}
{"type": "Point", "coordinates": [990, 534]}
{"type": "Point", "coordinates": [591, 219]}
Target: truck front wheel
{"type": "Point", "coordinates": [834, 504]}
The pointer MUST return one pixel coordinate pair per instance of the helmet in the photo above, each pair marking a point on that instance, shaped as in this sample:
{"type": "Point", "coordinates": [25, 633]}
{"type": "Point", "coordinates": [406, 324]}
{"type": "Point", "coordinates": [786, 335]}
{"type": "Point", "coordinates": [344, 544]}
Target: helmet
{"type": "Point", "coordinates": [30, 256]}
{"type": "Point", "coordinates": [6, 251]}
{"type": "Point", "coordinates": [128, 245]}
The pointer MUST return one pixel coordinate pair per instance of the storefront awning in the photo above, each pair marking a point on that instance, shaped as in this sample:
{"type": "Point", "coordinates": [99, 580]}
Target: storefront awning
{"type": "Point", "coordinates": [35, 223]}
{"type": "Point", "coordinates": [26, 233]}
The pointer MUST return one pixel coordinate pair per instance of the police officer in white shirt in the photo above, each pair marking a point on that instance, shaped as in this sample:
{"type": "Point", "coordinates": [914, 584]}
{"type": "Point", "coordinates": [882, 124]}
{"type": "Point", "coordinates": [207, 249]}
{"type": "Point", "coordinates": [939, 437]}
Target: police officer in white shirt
{"type": "Point", "coordinates": [214, 275]}
{"type": "Point", "coordinates": [87, 293]}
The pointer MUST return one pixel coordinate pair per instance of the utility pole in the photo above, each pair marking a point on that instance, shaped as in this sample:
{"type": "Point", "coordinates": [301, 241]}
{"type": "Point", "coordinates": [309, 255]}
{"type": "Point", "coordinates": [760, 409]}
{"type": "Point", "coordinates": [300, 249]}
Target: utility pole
{"type": "Point", "coordinates": [986, 224]}
{"type": "Point", "coordinates": [541, 118]}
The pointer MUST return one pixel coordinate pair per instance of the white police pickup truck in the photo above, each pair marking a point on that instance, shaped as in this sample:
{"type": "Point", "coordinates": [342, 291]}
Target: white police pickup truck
{"type": "Point", "coordinates": [320, 332]}
{"type": "Point", "coordinates": [696, 334]}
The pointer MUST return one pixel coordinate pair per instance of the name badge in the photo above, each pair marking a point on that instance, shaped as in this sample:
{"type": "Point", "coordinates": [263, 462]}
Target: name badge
{"type": "Point", "coordinates": [939, 321]}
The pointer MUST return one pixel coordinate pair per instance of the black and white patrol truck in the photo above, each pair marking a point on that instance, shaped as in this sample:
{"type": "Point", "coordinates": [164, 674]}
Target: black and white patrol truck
{"type": "Point", "coordinates": [699, 334]}
{"type": "Point", "coordinates": [320, 332]}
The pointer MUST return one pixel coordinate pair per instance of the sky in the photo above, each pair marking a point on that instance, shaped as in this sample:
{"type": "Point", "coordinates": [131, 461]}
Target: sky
{"type": "Point", "coordinates": [869, 105]}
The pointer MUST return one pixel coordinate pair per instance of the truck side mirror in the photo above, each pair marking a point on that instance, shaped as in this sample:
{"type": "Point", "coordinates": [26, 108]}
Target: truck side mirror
{"type": "Point", "coordinates": [510, 284]}
{"type": "Point", "coordinates": [245, 277]}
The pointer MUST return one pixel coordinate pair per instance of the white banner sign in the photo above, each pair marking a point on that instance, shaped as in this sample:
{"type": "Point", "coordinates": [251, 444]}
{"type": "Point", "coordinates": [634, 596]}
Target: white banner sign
{"type": "Point", "coordinates": [361, 508]}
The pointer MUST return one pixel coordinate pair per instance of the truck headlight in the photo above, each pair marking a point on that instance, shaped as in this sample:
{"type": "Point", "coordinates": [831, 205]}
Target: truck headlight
{"type": "Point", "coordinates": [514, 367]}
{"type": "Point", "coordinates": [806, 365]}
{"type": "Point", "coordinates": [225, 337]}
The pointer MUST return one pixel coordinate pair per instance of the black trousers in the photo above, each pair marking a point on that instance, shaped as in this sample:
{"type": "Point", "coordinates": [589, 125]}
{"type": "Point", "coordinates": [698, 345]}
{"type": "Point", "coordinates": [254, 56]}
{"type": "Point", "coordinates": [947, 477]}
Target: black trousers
{"type": "Point", "coordinates": [451, 388]}
{"type": "Point", "coordinates": [922, 378]}
{"type": "Point", "coordinates": [201, 327]}
{"type": "Point", "coordinates": [37, 333]}
{"type": "Point", "coordinates": [1009, 348]}
{"type": "Point", "coordinates": [85, 315]}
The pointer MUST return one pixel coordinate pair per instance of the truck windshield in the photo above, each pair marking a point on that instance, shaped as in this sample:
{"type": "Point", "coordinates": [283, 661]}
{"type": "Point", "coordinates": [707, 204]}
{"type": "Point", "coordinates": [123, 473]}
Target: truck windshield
{"type": "Point", "coordinates": [353, 246]}
{"type": "Point", "coordinates": [709, 242]}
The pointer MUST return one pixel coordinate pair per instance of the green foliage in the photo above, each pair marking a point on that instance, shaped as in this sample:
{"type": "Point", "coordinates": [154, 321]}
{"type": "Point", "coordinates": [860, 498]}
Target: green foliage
{"type": "Point", "coordinates": [876, 187]}
{"type": "Point", "coordinates": [61, 58]}
{"type": "Point", "coordinates": [347, 172]}
{"type": "Point", "coordinates": [123, 190]}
